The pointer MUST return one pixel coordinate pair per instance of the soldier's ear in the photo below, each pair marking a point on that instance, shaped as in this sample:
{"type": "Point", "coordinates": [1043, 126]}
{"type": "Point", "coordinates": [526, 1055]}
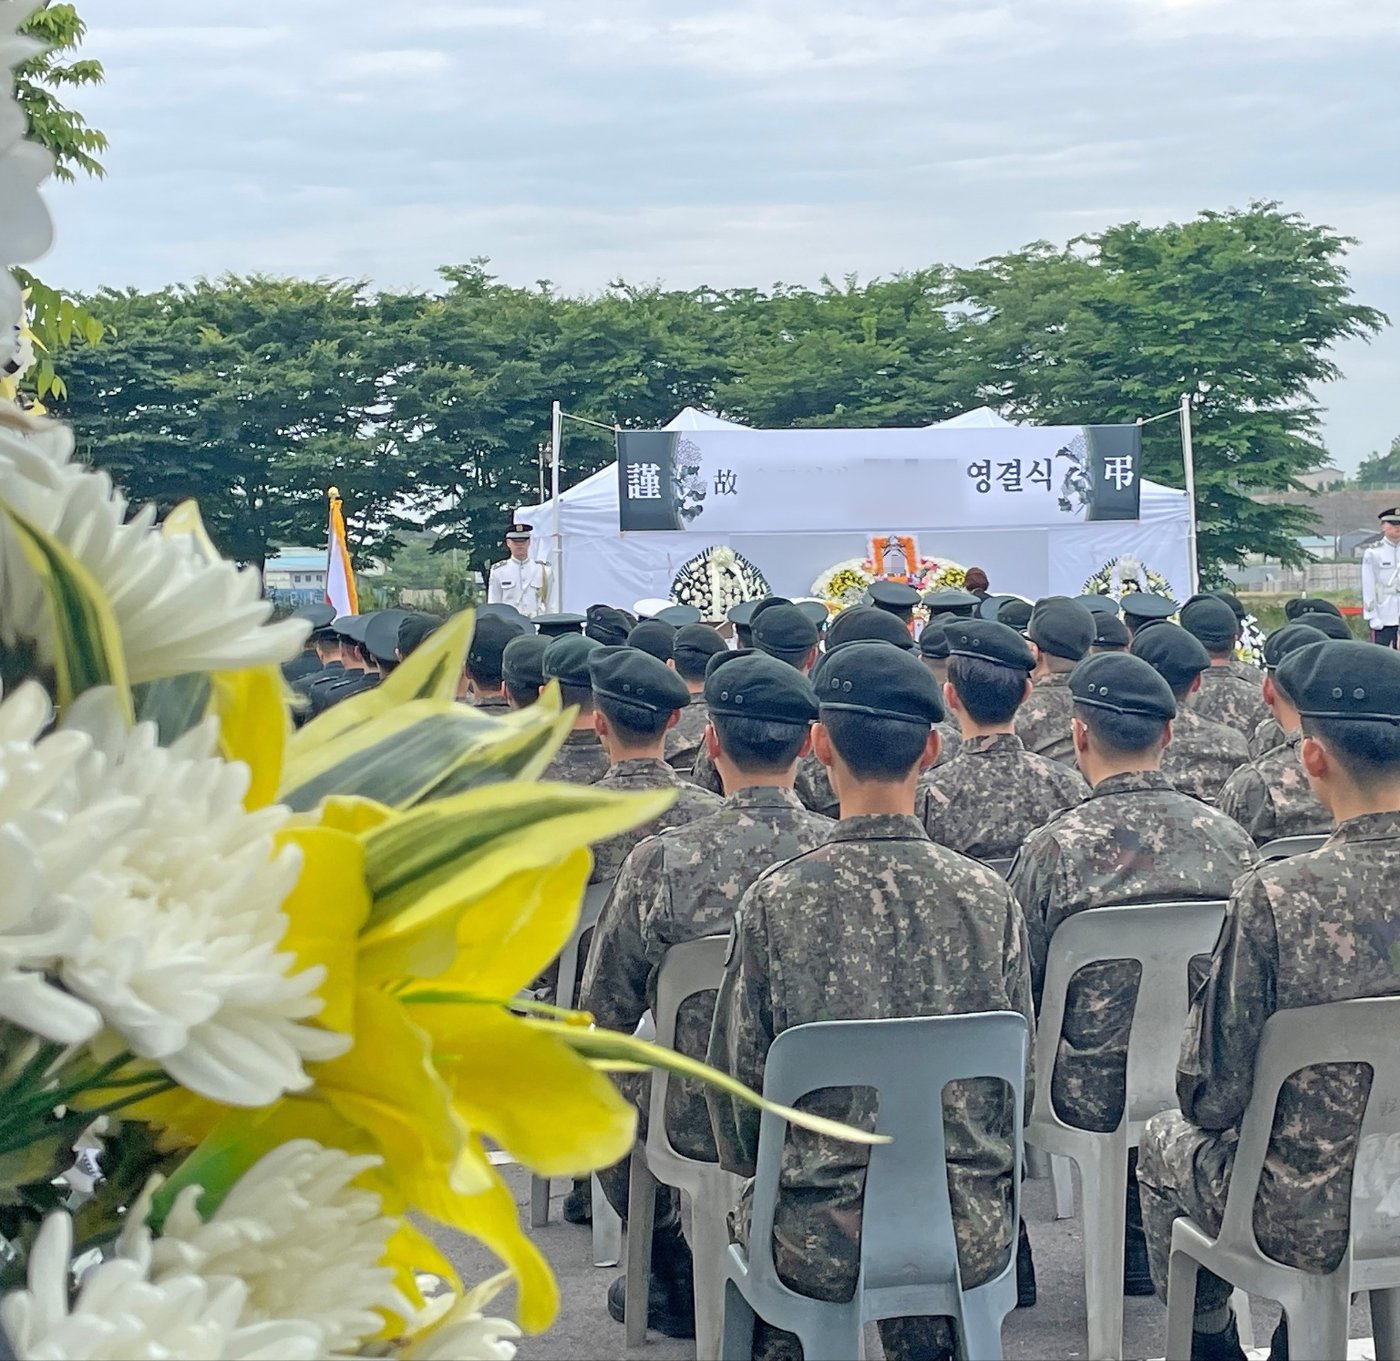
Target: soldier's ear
{"type": "Point", "coordinates": [1270, 694]}
{"type": "Point", "coordinates": [933, 744]}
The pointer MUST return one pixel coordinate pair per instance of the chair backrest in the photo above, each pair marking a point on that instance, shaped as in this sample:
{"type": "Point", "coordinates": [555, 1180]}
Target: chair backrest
{"type": "Point", "coordinates": [692, 967]}
{"type": "Point", "coordinates": [1364, 1030]}
{"type": "Point", "coordinates": [1163, 938]}
{"type": "Point", "coordinates": [595, 898]}
{"type": "Point", "coordinates": [1282, 847]}
{"type": "Point", "coordinates": [1000, 864]}
{"type": "Point", "coordinates": [907, 1238]}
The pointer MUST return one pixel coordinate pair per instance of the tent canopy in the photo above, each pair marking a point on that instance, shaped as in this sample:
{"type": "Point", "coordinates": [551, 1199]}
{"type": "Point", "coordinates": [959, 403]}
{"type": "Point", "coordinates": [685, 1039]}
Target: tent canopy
{"type": "Point", "coordinates": [600, 563]}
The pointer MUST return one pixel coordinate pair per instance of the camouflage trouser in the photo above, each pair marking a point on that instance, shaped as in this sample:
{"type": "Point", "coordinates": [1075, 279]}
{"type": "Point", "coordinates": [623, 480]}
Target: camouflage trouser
{"type": "Point", "coordinates": [1183, 1170]}
{"type": "Point", "coordinates": [829, 1273]}
{"type": "Point", "coordinates": [614, 1180]}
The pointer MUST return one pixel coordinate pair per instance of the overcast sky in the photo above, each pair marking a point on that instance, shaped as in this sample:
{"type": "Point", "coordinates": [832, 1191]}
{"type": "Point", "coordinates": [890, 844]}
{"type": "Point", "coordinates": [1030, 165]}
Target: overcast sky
{"type": "Point", "coordinates": [729, 141]}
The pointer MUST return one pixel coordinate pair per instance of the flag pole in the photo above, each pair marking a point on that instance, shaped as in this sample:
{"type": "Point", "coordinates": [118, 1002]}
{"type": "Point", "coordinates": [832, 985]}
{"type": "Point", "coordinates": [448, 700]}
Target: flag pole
{"type": "Point", "coordinates": [340, 575]}
{"type": "Point", "coordinates": [1189, 458]}
{"type": "Point", "coordinates": [555, 431]}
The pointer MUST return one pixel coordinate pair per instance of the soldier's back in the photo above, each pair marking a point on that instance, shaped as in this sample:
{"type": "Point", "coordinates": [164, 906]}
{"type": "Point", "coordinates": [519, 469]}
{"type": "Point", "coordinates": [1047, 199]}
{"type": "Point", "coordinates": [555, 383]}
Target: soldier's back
{"type": "Point", "coordinates": [690, 802]}
{"type": "Point", "coordinates": [1270, 797]}
{"type": "Point", "coordinates": [1225, 698]}
{"type": "Point", "coordinates": [1043, 721]}
{"type": "Point", "coordinates": [992, 795]}
{"type": "Point", "coordinates": [581, 760]}
{"type": "Point", "coordinates": [1266, 736]}
{"type": "Point", "coordinates": [1202, 755]}
{"type": "Point", "coordinates": [683, 742]}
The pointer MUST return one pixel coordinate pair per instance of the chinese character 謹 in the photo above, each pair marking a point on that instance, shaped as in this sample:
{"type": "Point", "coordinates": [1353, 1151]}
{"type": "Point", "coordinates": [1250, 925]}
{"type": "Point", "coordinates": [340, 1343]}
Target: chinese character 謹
{"type": "Point", "coordinates": [981, 473]}
{"type": "Point", "coordinates": [1119, 470]}
{"type": "Point", "coordinates": [644, 482]}
{"type": "Point", "coordinates": [726, 483]}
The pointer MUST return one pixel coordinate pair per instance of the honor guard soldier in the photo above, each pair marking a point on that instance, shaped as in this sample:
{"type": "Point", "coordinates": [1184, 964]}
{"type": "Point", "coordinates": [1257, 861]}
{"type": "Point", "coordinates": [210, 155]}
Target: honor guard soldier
{"type": "Point", "coordinates": [1203, 754]}
{"type": "Point", "coordinates": [557, 625]}
{"type": "Point", "coordinates": [1300, 932]}
{"type": "Point", "coordinates": [519, 580]}
{"type": "Point", "coordinates": [875, 922]}
{"type": "Point", "coordinates": [994, 793]}
{"type": "Point", "coordinates": [950, 600]}
{"type": "Point", "coordinates": [1062, 632]}
{"type": "Point", "coordinates": [1135, 839]}
{"type": "Point", "coordinates": [1380, 580]}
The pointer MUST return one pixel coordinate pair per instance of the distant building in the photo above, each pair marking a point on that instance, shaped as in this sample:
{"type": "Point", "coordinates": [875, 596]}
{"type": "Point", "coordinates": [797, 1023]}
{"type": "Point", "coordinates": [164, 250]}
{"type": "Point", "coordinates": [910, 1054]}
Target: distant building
{"type": "Point", "coordinates": [296, 576]}
{"type": "Point", "coordinates": [1323, 479]}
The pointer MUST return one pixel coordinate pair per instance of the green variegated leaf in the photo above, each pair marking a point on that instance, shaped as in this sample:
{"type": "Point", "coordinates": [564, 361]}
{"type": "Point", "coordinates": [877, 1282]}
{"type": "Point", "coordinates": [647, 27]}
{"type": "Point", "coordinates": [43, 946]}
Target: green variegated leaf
{"type": "Point", "coordinates": [173, 703]}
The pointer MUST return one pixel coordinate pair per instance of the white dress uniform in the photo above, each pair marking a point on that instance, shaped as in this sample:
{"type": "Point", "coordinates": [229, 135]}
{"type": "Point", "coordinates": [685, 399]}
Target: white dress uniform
{"type": "Point", "coordinates": [522, 584]}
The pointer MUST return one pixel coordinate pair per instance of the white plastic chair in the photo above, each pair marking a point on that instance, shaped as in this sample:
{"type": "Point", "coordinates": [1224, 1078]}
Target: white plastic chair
{"type": "Point", "coordinates": [607, 1225]}
{"type": "Point", "coordinates": [1163, 938]}
{"type": "Point", "coordinates": [908, 1249]}
{"type": "Point", "coordinates": [694, 967]}
{"type": "Point", "coordinates": [1316, 1304]}
{"type": "Point", "coordinates": [1282, 847]}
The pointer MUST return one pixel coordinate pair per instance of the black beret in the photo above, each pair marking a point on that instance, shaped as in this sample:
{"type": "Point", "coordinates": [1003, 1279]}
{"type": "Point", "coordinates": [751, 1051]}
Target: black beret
{"type": "Point", "coordinates": [1123, 684]}
{"type": "Point", "coordinates": [678, 616]}
{"type": "Point", "coordinates": [1353, 681]}
{"type": "Point", "coordinates": [566, 659]}
{"type": "Point", "coordinates": [990, 642]}
{"type": "Point", "coordinates": [1176, 655]}
{"type": "Point", "coordinates": [507, 612]}
{"type": "Point", "coordinates": [767, 603]}
{"type": "Point", "coordinates": [988, 606]}
{"type": "Point", "coordinates": [784, 632]}
{"type": "Point", "coordinates": [741, 615]}
{"type": "Point", "coordinates": [607, 625]}
{"type": "Point", "coordinates": [754, 685]}
{"type": "Point", "coordinates": [1309, 604]}
{"type": "Point", "coordinates": [874, 678]}
{"type": "Point", "coordinates": [317, 613]}
{"type": "Point", "coordinates": [952, 598]}
{"type": "Point", "coordinates": [382, 634]}
{"type": "Point", "coordinates": [654, 637]}
{"type": "Point", "coordinates": [1211, 620]}
{"type": "Point", "coordinates": [1234, 602]}
{"type": "Point", "coordinates": [1099, 604]}
{"type": "Point", "coordinates": [523, 661]}
{"type": "Point", "coordinates": [415, 630]}
{"type": "Point", "coordinates": [557, 625]}
{"type": "Point", "coordinates": [1332, 625]}
{"type": "Point", "coordinates": [695, 644]}
{"type": "Point", "coordinates": [864, 624]}
{"type": "Point", "coordinates": [489, 638]}
{"type": "Point", "coordinates": [1015, 614]}
{"type": "Point", "coordinates": [1289, 639]}
{"type": "Point", "coordinates": [933, 640]}
{"type": "Point", "coordinates": [896, 596]}
{"type": "Point", "coordinates": [1111, 631]}
{"type": "Point", "coordinates": [1147, 605]}
{"type": "Point", "coordinates": [631, 676]}
{"type": "Point", "coordinates": [816, 611]}
{"type": "Point", "coordinates": [1062, 627]}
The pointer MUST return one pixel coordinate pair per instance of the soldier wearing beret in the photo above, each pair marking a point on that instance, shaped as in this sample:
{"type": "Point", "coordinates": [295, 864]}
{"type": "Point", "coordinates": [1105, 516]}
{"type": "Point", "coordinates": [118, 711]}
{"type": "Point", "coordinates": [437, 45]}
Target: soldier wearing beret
{"type": "Point", "coordinates": [1202, 754]}
{"type": "Point", "coordinates": [691, 650]}
{"type": "Point", "coordinates": [994, 793]}
{"type": "Point", "coordinates": [1223, 697]}
{"type": "Point", "coordinates": [1110, 634]}
{"type": "Point", "coordinates": [678, 616]}
{"type": "Point", "coordinates": [581, 760]}
{"type": "Point", "coordinates": [655, 638]}
{"type": "Point", "coordinates": [1062, 632]}
{"type": "Point", "coordinates": [522, 669]}
{"type": "Point", "coordinates": [486, 657]}
{"type": "Point", "coordinates": [686, 883]}
{"type": "Point", "coordinates": [1237, 666]}
{"type": "Point", "coordinates": [1268, 734]}
{"type": "Point", "coordinates": [934, 650]}
{"type": "Point", "coordinates": [607, 625]}
{"type": "Point", "coordinates": [864, 623]}
{"type": "Point", "coordinates": [1271, 797]}
{"type": "Point", "coordinates": [1300, 932]}
{"type": "Point", "coordinates": [1135, 839]}
{"type": "Point", "coordinates": [935, 934]}
{"type": "Point", "coordinates": [636, 699]}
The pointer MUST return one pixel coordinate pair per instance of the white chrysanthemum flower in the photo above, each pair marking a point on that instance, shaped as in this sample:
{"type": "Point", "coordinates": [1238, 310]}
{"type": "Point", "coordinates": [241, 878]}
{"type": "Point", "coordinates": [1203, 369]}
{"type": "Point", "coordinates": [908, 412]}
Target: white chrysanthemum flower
{"type": "Point", "coordinates": [177, 609]}
{"type": "Point", "coordinates": [464, 1335]}
{"type": "Point", "coordinates": [49, 842]}
{"type": "Point", "coordinates": [304, 1241]}
{"type": "Point", "coordinates": [182, 951]}
{"type": "Point", "coordinates": [120, 1313]}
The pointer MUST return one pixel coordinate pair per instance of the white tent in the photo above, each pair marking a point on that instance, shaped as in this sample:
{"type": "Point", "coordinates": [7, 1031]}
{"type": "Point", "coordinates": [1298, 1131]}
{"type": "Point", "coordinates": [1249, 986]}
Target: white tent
{"type": "Point", "coordinates": [601, 563]}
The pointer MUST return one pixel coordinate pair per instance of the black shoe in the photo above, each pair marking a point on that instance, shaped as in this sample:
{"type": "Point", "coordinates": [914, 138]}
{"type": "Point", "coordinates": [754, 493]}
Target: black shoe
{"type": "Point", "coordinates": [1278, 1344]}
{"type": "Point", "coordinates": [578, 1204]}
{"type": "Point", "coordinates": [1137, 1278]}
{"type": "Point", "coordinates": [670, 1305]}
{"type": "Point", "coordinates": [1025, 1271]}
{"type": "Point", "coordinates": [1221, 1346]}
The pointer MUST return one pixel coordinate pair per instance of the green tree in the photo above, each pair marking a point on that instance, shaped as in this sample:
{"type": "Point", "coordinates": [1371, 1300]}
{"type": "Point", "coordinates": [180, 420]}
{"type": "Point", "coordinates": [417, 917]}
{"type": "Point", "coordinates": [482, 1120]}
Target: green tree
{"type": "Point", "coordinates": [1238, 310]}
{"type": "Point", "coordinates": [1380, 471]}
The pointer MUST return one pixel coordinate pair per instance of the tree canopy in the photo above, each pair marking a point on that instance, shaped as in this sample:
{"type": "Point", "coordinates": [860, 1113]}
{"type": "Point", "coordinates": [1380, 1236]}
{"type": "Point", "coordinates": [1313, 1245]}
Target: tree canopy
{"type": "Point", "coordinates": [1380, 471]}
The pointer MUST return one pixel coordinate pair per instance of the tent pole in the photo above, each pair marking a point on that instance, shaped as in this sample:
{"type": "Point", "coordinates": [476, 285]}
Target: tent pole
{"type": "Point", "coordinates": [555, 432]}
{"type": "Point", "coordinates": [1189, 458]}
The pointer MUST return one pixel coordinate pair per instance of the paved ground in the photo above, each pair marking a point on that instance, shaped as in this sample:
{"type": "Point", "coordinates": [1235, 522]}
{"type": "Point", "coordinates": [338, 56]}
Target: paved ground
{"type": "Point", "coordinates": [1053, 1329]}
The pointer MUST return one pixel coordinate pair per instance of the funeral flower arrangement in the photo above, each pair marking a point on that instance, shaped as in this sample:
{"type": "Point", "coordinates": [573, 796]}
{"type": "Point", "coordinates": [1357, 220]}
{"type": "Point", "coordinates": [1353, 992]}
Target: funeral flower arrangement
{"type": "Point", "coordinates": [1121, 575]}
{"type": "Point", "coordinates": [716, 580]}
{"type": "Point", "coordinates": [846, 583]}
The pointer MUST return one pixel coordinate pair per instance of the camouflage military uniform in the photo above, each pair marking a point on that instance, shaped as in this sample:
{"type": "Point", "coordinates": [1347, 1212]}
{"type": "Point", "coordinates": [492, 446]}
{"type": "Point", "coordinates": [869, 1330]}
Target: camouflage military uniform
{"type": "Point", "coordinates": [934, 934]}
{"type": "Point", "coordinates": [1043, 721]}
{"type": "Point", "coordinates": [1202, 755]}
{"type": "Point", "coordinates": [1303, 931]}
{"type": "Point", "coordinates": [987, 801]}
{"type": "Point", "coordinates": [1266, 737]}
{"type": "Point", "coordinates": [1225, 698]}
{"type": "Point", "coordinates": [1245, 671]}
{"type": "Point", "coordinates": [1271, 797]}
{"type": "Point", "coordinates": [581, 760]}
{"type": "Point", "coordinates": [683, 742]}
{"type": "Point", "coordinates": [495, 705]}
{"type": "Point", "coordinates": [679, 886]}
{"type": "Point", "coordinates": [1135, 839]}
{"type": "Point", "coordinates": [646, 773]}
